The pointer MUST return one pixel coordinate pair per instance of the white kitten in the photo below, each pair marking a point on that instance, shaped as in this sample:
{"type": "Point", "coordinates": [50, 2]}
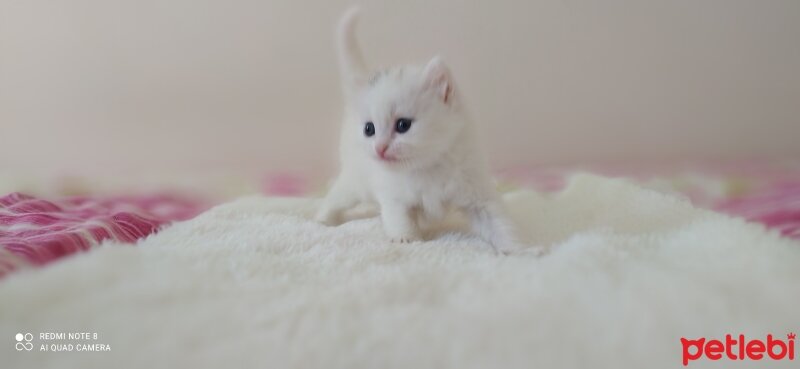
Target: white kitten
{"type": "Point", "coordinates": [408, 145]}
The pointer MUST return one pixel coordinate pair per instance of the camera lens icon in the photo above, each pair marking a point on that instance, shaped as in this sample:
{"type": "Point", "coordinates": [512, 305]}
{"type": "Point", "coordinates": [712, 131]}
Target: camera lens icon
{"type": "Point", "coordinates": [26, 345]}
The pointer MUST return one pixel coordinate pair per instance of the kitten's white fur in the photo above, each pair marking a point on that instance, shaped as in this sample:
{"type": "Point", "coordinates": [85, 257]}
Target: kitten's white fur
{"type": "Point", "coordinates": [435, 166]}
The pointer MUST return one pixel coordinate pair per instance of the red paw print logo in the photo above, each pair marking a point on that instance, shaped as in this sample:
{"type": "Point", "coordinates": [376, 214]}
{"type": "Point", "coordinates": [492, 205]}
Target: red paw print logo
{"type": "Point", "coordinates": [24, 342]}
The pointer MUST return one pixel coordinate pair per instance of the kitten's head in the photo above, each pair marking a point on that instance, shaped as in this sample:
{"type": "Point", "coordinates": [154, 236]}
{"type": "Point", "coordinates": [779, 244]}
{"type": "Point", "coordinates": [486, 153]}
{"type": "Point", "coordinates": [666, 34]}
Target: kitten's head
{"type": "Point", "coordinates": [406, 117]}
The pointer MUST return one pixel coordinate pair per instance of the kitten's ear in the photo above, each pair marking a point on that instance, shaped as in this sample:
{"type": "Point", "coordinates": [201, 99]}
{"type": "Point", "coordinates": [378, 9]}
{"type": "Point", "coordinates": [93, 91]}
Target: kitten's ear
{"type": "Point", "coordinates": [437, 77]}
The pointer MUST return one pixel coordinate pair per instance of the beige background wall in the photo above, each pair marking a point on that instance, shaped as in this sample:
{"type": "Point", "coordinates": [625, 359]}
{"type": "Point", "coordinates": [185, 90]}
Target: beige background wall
{"type": "Point", "coordinates": [155, 86]}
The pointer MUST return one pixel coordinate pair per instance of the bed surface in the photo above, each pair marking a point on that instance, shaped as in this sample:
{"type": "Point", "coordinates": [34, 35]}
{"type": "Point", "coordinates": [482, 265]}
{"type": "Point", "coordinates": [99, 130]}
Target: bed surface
{"type": "Point", "coordinates": [255, 283]}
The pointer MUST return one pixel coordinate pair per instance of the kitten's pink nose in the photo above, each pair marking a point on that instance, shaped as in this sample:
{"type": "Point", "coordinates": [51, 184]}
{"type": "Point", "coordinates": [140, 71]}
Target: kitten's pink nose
{"type": "Point", "coordinates": [380, 149]}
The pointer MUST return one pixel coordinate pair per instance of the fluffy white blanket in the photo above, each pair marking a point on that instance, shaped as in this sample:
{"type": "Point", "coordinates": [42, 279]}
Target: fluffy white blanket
{"type": "Point", "coordinates": [253, 283]}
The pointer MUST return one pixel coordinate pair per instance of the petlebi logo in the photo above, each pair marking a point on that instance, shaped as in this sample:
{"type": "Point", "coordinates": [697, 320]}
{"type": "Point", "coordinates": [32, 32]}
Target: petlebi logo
{"type": "Point", "coordinates": [24, 342]}
{"type": "Point", "coordinates": [739, 348]}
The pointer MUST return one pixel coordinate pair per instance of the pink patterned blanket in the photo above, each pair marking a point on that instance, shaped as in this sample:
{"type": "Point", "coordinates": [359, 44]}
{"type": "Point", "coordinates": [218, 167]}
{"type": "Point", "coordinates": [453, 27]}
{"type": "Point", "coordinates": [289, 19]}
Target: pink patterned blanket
{"type": "Point", "coordinates": [777, 207]}
{"type": "Point", "coordinates": [34, 232]}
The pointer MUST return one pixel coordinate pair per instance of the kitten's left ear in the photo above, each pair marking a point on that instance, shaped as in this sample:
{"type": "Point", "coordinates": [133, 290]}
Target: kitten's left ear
{"type": "Point", "coordinates": [437, 77]}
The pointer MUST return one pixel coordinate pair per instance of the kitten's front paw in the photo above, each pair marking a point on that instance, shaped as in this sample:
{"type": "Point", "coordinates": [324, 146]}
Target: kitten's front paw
{"type": "Point", "coordinates": [327, 219]}
{"type": "Point", "coordinates": [398, 224]}
{"type": "Point", "coordinates": [403, 240]}
{"type": "Point", "coordinates": [518, 249]}
{"type": "Point", "coordinates": [507, 248]}
{"type": "Point", "coordinates": [404, 237]}
{"type": "Point", "coordinates": [534, 251]}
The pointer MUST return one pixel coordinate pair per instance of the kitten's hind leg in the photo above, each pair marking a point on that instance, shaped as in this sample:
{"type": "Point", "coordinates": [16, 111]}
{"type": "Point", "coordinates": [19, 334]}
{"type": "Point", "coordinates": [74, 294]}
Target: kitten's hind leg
{"type": "Point", "coordinates": [340, 198]}
{"type": "Point", "coordinates": [489, 222]}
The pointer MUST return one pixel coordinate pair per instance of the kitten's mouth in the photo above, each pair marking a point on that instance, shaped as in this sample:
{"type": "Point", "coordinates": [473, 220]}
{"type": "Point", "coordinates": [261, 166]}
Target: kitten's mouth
{"type": "Point", "coordinates": [385, 157]}
{"type": "Point", "coordinates": [388, 159]}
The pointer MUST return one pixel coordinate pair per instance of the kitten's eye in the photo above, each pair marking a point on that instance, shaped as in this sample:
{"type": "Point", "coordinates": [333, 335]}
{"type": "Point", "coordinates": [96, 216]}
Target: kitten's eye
{"type": "Point", "coordinates": [369, 129]}
{"type": "Point", "coordinates": [402, 125]}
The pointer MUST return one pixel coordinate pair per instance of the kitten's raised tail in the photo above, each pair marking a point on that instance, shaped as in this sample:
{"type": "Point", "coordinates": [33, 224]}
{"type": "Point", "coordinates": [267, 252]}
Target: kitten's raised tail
{"type": "Point", "coordinates": [351, 62]}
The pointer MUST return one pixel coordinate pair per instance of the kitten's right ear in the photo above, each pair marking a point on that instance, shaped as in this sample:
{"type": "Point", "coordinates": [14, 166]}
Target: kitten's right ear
{"type": "Point", "coordinates": [352, 67]}
{"type": "Point", "coordinates": [437, 77]}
